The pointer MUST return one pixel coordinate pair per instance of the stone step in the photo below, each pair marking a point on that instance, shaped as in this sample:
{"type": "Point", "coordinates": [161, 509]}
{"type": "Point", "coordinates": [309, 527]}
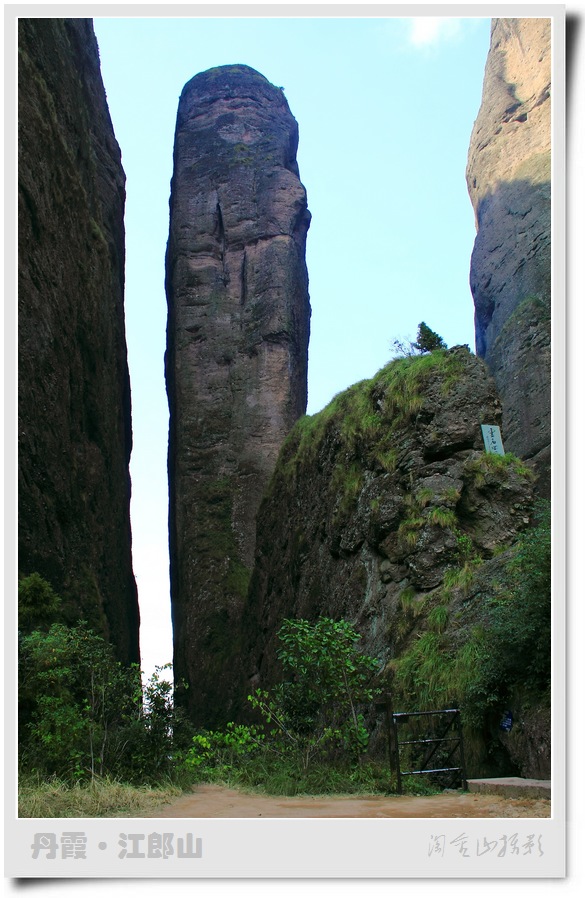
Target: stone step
{"type": "Point", "coordinates": [511, 787]}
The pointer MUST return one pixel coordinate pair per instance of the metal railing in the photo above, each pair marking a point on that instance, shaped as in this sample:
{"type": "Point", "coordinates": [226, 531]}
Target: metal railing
{"type": "Point", "coordinates": [450, 738]}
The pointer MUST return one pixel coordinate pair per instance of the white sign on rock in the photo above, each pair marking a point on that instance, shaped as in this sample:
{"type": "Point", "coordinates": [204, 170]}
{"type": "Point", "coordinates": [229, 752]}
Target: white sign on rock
{"type": "Point", "coordinates": [492, 439]}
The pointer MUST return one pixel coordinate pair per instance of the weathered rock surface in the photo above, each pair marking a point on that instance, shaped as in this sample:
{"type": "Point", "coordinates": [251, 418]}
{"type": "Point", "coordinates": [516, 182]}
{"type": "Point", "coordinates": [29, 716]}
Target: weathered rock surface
{"type": "Point", "coordinates": [74, 391]}
{"type": "Point", "coordinates": [376, 498]}
{"type": "Point", "coordinates": [508, 176]}
{"type": "Point", "coordinates": [236, 363]}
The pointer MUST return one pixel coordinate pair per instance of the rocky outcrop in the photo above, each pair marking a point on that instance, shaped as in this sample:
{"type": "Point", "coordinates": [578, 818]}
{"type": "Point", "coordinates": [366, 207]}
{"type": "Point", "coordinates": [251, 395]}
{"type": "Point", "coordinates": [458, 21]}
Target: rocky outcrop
{"type": "Point", "coordinates": [236, 363]}
{"type": "Point", "coordinates": [383, 492]}
{"type": "Point", "coordinates": [74, 394]}
{"type": "Point", "coordinates": [380, 507]}
{"type": "Point", "coordinates": [508, 176]}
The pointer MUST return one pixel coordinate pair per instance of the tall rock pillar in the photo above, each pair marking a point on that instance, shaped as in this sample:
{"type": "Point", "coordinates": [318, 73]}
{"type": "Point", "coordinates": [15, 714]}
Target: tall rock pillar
{"type": "Point", "coordinates": [508, 177]}
{"type": "Point", "coordinates": [236, 362]}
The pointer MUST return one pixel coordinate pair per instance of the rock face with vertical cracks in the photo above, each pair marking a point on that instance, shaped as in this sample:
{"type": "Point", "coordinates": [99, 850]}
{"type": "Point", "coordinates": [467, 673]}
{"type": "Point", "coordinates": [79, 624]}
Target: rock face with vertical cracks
{"type": "Point", "coordinates": [236, 363]}
{"type": "Point", "coordinates": [74, 390]}
{"type": "Point", "coordinates": [508, 176]}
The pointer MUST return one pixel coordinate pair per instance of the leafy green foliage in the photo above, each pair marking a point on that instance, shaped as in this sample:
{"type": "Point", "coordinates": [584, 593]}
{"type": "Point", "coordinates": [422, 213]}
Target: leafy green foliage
{"type": "Point", "coordinates": [427, 340]}
{"type": "Point", "coordinates": [517, 639]}
{"type": "Point", "coordinates": [316, 708]}
{"type": "Point", "coordinates": [38, 603]}
{"type": "Point", "coordinates": [73, 693]}
{"type": "Point", "coordinates": [156, 733]}
{"type": "Point", "coordinates": [275, 773]}
{"type": "Point", "coordinates": [214, 754]}
{"type": "Point", "coordinates": [82, 713]}
{"type": "Point", "coordinates": [313, 712]}
{"type": "Point", "coordinates": [505, 649]}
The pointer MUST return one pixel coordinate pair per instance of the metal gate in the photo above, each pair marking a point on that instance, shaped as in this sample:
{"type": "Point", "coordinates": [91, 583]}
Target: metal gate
{"type": "Point", "coordinates": [448, 737]}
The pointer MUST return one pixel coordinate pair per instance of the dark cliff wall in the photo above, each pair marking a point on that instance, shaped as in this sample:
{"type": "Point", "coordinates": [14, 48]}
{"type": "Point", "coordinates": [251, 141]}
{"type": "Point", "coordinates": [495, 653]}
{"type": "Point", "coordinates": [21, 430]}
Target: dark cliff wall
{"type": "Point", "coordinates": [236, 363]}
{"type": "Point", "coordinates": [74, 391]}
{"type": "Point", "coordinates": [508, 177]}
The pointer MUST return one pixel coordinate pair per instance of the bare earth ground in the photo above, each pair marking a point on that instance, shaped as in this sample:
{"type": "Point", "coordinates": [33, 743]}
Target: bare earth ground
{"type": "Point", "coordinates": [218, 801]}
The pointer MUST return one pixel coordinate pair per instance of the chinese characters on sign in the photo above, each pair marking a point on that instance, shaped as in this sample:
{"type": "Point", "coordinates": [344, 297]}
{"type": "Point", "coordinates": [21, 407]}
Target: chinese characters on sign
{"type": "Point", "coordinates": [505, 845]}
{"type": "Point", "coordinates": [131, 845]}
{"type": "Point", "coordinates": [492, 439]}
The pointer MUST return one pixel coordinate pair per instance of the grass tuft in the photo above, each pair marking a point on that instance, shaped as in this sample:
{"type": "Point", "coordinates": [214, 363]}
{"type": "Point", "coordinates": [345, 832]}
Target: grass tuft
{"type": "Point", "coordinates": [99, 798]}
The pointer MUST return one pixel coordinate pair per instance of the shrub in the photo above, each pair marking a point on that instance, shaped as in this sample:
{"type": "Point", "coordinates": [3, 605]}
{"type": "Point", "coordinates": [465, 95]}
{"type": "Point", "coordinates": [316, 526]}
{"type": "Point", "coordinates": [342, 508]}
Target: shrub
{"type": "Point", "coordinates": [83, 714]}
{"type": "Point", "coordinates": [316, 708]}
{"type": "Point", "coordinates": [518, 631]}
{"type": "Point", "coordinates": [155, 734]}
{"type": "Point", "coordinates": [504, 648]}
{"type": "Point", "coordinates": [73, 694]}
{"type": "Point", "coordinates": [38, 603]}
{"type": "Point", "coordinates": [216, 754]}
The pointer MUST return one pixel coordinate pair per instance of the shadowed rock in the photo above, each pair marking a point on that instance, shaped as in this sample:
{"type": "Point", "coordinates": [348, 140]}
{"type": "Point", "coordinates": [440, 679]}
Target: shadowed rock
{"type": "Point", "coordinates": [508, 176]}
{"type": "Point", "coordinates": [74, 390]}
{"type": "Point", "coordinates": [236, 363]}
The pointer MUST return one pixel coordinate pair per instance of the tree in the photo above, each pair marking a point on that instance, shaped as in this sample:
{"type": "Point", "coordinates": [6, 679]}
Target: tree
{"type": "Point", "coordinates": [157, 731]}
{"type": "Point", "coordinates": [73, 696]}
{"type": "Point", "coordinates": [82, 713]}
{"type": "Point", "coordinates": [38, 603]}
{"type": "Point", "coordinates": [316, 707]}
{"type": "Point", "coordinates": [427, 340]}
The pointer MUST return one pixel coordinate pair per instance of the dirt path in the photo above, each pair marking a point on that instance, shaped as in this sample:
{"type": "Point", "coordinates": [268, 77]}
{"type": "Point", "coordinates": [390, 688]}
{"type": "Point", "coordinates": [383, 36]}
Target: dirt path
{"type": "Point", "coordinates": [217, 801]}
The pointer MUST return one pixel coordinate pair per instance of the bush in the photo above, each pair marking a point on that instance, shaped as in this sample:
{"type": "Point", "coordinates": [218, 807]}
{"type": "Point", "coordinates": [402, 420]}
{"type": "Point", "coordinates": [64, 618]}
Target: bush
{"type": "Point", "coordinates": [73, 697]}
{"type": "Point", "coordinates": [38, 603]}
{"type": "Point", "coordinates": [516, 639]}
{"type": "Point", "coordinates": [216, 754]}
{"type": "Point", "coordinates": [156, 735]}
{"type": "Point", "coordinates": [316, 708]}
{"type": "Point", "coordinates": [83, 714]}
{"type": "Point", "coordinates": [505, 647]}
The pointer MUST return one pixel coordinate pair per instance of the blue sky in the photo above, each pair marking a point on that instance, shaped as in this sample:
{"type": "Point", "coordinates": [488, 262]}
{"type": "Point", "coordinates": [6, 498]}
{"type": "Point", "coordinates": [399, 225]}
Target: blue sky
{"type": "Point", "coordinates": [385, 108]}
